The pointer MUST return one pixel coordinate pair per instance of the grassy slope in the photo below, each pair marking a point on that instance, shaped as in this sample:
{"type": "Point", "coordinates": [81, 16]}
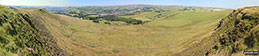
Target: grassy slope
{"type": "Point", "coordinates": [145, 16]}
{"type": "Point", "coordinates": [20, 35]}
{"type": "Point", "coordinates": [83, 37]}
{"type": "Point", "coordinates": [169, 12]}
{"type": "Point", "coordinates": [171, 34]}
{"type": "Point", "coordinates": [236, 33]}
{"type": "Point", "coordinates": [187, 18]}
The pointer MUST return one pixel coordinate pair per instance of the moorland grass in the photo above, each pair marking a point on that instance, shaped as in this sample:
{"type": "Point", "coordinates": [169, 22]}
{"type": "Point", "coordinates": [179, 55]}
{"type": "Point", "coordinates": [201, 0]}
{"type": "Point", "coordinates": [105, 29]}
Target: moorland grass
{"type": "Point", "coordinates": [171, 31]}
{"type": "Point", "coordinates": [158, 35]}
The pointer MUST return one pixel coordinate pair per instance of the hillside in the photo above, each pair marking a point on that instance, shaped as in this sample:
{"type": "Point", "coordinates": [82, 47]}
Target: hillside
{"type": "Point", "coordinates": [21, 35]}
{"type": "Point", "coordinates": [128, 14]}
{"type": "Point", "coordinates": [237, 32]}
{"type": "Point", "coordinates": [177, 31]}
{"type": "Point", "coordinates": [168, 35]}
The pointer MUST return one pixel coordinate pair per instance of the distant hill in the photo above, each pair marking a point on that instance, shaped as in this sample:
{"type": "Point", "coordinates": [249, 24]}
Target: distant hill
{"type": "Point", "coordinates": [124, 14]}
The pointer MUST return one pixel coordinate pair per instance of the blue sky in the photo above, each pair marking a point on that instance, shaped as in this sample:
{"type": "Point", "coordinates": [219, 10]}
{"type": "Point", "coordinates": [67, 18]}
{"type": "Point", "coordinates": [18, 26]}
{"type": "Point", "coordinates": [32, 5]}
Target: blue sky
{"type": "Point", "coordinates": [203, 3]}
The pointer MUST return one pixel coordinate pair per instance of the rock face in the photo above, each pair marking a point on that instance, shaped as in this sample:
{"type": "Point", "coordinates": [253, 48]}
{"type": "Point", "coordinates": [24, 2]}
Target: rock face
{"type": "Point", "coordinates": [237, 32]}
{"type": "Point", "coordinates": [21, 35]}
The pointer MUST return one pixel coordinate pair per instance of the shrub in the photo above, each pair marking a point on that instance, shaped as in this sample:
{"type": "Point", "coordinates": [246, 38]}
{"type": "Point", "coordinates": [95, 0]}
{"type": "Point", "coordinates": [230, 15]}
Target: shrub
{"type": "Point", "coordinates": [73, 39]}
{"type": "Point", "coordinates": [91, 45]}
{"type": "Point", "coordinates": [67, 35]}
{"type": "Point", "coordinates": [115, 51]}
{"type": "Point", "coordinates": [75, 44]}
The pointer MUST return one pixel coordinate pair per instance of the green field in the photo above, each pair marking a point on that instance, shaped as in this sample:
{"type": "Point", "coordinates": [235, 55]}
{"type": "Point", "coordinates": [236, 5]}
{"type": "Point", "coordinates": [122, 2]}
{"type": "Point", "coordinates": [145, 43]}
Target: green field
{"type": "Point", "coordinates": [187, 18]}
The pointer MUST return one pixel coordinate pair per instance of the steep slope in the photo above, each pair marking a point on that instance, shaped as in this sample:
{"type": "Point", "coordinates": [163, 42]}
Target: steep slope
{"type": "Point", "coordinates": [21, 35]}
{"type": "Point", "coordinates": [237, 32]}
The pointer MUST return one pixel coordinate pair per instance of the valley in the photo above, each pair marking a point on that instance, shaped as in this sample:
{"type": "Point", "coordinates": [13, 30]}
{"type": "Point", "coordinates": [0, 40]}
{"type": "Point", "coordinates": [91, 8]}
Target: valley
{"type": "Point", "coordinates": [130, 30]}
{"type": "Point", "coordinates": [173, 32]}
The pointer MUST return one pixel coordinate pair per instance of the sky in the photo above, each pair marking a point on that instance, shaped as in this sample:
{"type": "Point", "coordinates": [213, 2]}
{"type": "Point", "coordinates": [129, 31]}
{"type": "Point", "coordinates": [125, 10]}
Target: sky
{"type": "Point", "coordinates": [231, 4]}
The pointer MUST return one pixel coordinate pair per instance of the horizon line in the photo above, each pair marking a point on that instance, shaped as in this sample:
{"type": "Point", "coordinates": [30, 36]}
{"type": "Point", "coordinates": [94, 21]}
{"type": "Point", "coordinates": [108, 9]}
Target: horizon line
{"type": "Point", "coordinates": [119, 5]}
